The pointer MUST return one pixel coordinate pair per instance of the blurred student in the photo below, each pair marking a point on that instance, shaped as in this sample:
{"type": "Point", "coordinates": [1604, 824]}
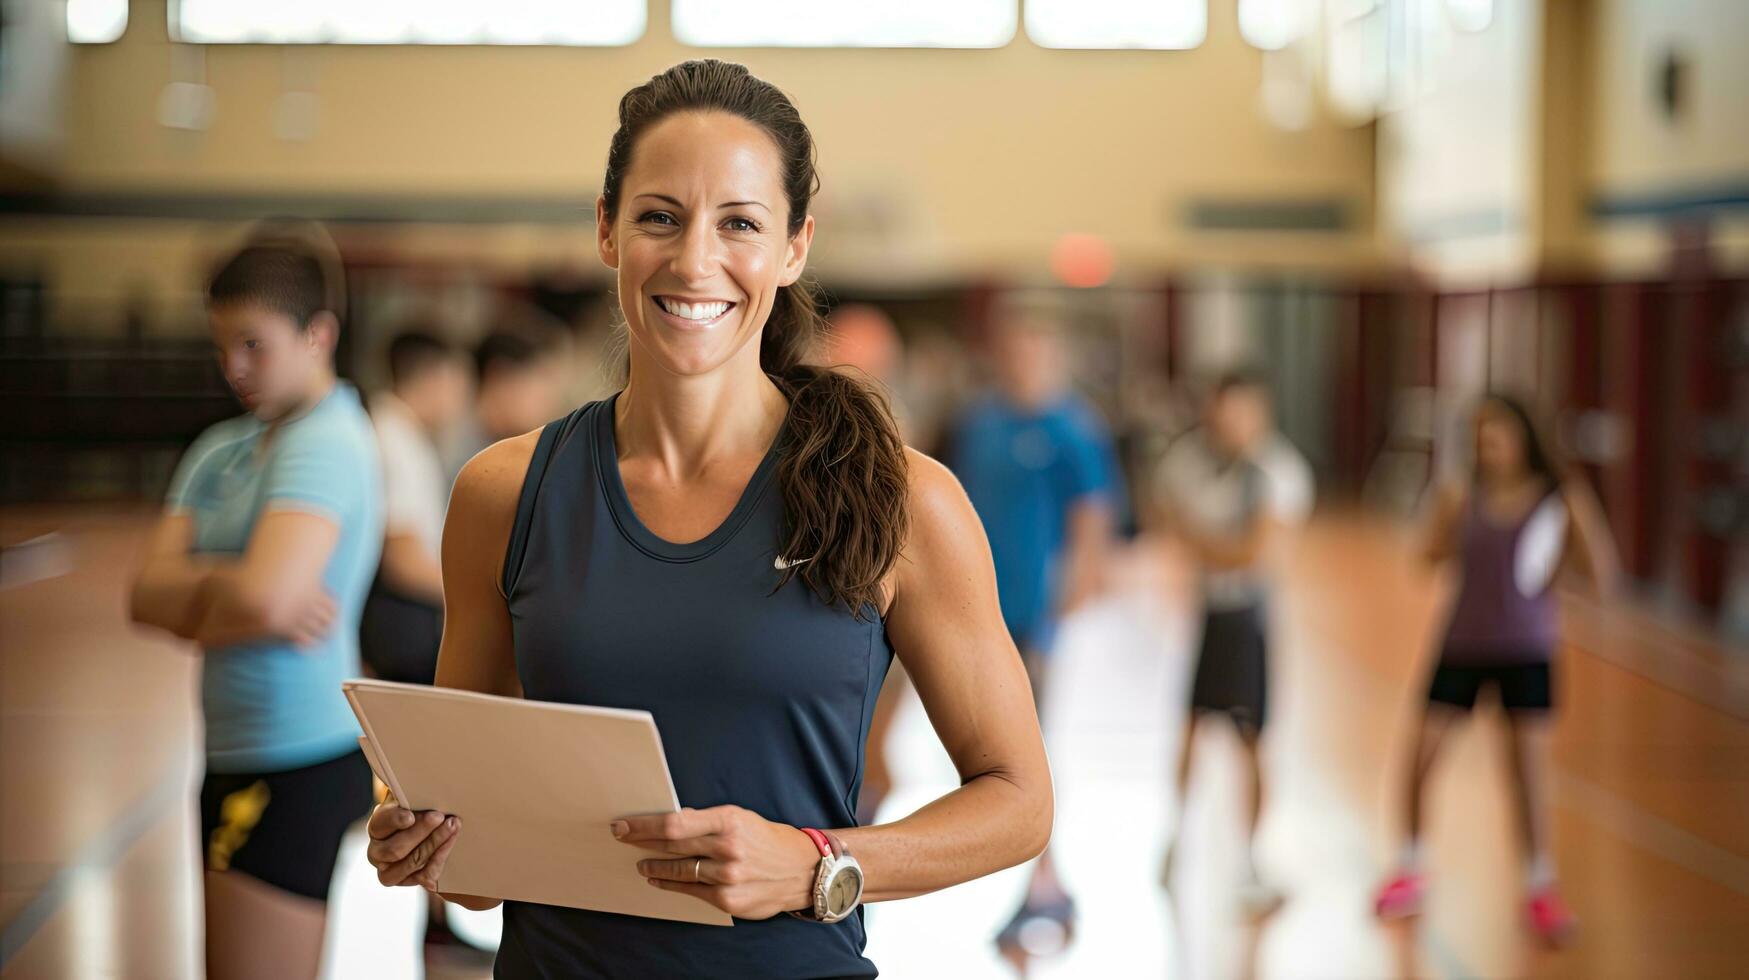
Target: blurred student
{"type": "Point", "coordinates": [518, 387]}
{"type": "Point", "coordinates": [263, 558]}
{"type": "Point", "coordinates": [861, 337]}
{"type": "Point", "coordinates": [1037, 462]}
{"type": "Point", "coordinates": [1229, 488]}
{"type": "Point", "coordinates": [403, 617]}
{"type": "Point", "coordinates": [1508, 532]}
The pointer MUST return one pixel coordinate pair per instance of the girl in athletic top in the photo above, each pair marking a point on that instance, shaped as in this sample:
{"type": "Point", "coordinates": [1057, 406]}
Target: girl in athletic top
{"type": "Point", "coordinates": [739, 543]}
{"type": "Point", "coordinates": [1519, 522]}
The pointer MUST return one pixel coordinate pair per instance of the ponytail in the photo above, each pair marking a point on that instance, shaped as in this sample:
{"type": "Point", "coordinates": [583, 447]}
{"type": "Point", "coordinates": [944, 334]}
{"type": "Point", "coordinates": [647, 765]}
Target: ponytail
{"type": "Point", "coordinates": [843, 472]}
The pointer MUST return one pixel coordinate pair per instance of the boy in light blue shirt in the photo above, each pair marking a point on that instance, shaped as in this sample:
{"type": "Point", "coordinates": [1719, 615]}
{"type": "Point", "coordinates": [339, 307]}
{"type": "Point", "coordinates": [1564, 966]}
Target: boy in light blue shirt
{"type": "Point", "coordinates": [271, 704]}
{"type": "Point", "coordinates": [263, 558]}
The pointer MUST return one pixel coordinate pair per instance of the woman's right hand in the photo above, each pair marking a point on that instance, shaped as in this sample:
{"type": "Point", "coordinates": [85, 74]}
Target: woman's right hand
{"type": "Point", "coordinates": [409, 848]}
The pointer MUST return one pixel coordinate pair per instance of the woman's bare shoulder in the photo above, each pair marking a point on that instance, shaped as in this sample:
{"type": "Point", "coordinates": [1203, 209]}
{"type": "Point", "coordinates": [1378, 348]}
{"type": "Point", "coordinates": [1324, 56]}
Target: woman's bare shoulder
{"type": "Point", "coordinates": [489, 485]}
{"type": "Point", "coordinates": [938, 504]}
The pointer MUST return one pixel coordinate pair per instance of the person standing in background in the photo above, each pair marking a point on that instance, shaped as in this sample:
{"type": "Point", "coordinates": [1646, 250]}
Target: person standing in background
{"type": "Point", "coordinates": [1229, 489]}
{"type": "Point", "coordinates": [862, 338]}
{"type": "Point", "coordinates": [403, 617]}
{"type": "Point", "coordinates": [1037, 462]}
{"type": "Point", "coordinates": [518, 387]}
{"type": "Point", "coordinates": [402, 625]}
{"type": "Point", "coordinates": [263, 556]}
{"type": "Point", "coordinates": [1508, 534]}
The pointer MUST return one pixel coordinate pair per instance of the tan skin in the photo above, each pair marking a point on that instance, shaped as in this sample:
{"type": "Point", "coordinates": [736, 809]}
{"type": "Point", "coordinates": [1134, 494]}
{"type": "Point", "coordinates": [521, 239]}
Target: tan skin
{"type": "Point", "coordinates": [1508, 491]}
{"type": "Point", "coordinates": [272, 591]}
{"type": "Point", "coordinates": [695, 419]}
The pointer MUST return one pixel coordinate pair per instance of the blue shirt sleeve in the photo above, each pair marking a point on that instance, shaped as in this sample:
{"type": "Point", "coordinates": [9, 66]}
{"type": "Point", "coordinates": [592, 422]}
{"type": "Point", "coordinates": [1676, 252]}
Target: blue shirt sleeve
{"type": "Point", "coordinates": [1089, 455]}
{"type": "Point", "coordinates": [191, 469]}
{"type": "Point", "coordinates": [311, 472]}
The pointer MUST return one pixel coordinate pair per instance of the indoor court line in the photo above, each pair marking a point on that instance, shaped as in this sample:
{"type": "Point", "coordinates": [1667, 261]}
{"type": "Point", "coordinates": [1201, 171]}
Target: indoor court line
{"type": "Point", "coordinates": [97, 858]}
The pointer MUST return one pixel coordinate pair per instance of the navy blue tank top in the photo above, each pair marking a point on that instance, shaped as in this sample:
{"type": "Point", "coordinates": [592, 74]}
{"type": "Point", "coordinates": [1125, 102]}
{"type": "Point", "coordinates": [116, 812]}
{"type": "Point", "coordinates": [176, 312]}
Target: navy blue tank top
{"type": "Point", "coordinates": [763, 698]}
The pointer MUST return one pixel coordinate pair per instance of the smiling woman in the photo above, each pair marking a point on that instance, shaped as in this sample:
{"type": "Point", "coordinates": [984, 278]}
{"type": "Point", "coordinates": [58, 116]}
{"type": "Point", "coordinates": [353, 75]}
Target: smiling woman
{"type": "Point", "coordinates": [739, 543]}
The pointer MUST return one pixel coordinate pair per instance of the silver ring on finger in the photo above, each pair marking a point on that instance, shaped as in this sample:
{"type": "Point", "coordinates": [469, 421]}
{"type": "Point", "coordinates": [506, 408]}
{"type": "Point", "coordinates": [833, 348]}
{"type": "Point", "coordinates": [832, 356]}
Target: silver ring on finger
{"type": "Point", "coordinates": [697, 865]}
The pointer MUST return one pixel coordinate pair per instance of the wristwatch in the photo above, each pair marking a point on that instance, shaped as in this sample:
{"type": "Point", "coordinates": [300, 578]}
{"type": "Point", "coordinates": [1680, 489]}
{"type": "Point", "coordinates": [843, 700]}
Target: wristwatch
{"type": "Point", "coordinates": [838, 883]}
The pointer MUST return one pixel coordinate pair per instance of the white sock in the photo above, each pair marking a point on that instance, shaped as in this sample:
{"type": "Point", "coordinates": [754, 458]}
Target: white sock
{"type": "Point", "coordinates": [1410, 860]}
{"type": "Point", "coordinates": [1540, 873]}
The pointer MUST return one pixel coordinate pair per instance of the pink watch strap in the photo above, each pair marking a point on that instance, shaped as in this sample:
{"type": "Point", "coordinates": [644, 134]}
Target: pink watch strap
{"type": "Point", "coordinates": [820, 840]}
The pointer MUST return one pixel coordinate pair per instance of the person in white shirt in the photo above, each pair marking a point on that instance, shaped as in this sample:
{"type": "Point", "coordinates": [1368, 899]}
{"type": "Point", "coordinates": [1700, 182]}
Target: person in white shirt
{"type": "Point", "coordinates": [519, 386]}
{"type": "Point", "coordinates": [1228, 489]}
{"type": "Point", "coordinates": [403, 618]}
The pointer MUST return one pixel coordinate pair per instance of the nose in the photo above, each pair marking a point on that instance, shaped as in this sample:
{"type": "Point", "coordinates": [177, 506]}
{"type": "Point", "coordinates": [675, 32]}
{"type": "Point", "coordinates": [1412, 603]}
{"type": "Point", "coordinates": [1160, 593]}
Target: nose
{"type": "Point", "coordinates": [233, 368]}
{"type": "Point", "coordinates": [695, 257]}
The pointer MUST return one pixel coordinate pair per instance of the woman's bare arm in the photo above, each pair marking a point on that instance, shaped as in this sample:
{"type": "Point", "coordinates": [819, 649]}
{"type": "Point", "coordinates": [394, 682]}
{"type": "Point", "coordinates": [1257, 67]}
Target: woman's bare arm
{"type": "Point", "coordinates": [946, 625]}
{"type": "Point", "coordinates": [1440, 536]}
{"type": "Point", "coordinates": [1595, 554]}
{"type": "Point", "coordinates": [477, 651]}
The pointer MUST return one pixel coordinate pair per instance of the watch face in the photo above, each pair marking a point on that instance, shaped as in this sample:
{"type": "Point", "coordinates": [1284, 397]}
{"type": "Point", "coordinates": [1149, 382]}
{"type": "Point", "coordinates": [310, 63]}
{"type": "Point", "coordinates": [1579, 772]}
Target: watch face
{"type": "Point", "coordinates": [842, 893]}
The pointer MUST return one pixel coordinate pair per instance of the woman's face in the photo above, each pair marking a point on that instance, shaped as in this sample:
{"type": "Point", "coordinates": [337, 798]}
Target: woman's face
{"type": "Point", "coordinates": [701, 242]}
{"type": "Point", "coordinates": [269, 363]}
{"type": "Point", "coordinates": [1499, 442]}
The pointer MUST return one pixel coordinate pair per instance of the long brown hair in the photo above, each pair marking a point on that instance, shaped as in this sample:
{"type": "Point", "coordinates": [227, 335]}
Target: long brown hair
{"type": "Point", "coordinates": [1541, 456]}
{"type": "Point", "coordinates": [843, 473]}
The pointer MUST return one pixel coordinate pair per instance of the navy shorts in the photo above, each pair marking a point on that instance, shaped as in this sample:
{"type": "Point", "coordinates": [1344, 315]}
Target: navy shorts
{"type": "Point", "coordinates": [1232, 667]}
{"type": "Point", "coordinates": [1522, 686]}
{"type": "Point", "coordinates": [284, 828]}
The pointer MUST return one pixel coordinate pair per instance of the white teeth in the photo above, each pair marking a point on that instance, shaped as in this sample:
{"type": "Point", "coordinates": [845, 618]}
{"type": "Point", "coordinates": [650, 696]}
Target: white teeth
{"type": "Point", "coordinates": [693, 311]}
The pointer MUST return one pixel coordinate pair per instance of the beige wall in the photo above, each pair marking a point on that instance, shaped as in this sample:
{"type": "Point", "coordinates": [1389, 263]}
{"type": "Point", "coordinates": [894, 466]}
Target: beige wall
{"type": "Point", "coordinates": [978, 159]}
{"type": "Point", "coordinates": [1636, 151]}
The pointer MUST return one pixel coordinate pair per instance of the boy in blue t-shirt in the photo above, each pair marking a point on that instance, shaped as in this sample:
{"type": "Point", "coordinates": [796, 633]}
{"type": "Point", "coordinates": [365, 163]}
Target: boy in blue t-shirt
{"type": "Point", "coordinates": [1038, 464]}
{"type": "Point", "coordinates": [263, 557]}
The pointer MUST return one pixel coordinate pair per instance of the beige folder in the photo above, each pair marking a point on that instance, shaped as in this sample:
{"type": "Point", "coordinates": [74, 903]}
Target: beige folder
{"type": "Point", "coordinates": [536, 785]}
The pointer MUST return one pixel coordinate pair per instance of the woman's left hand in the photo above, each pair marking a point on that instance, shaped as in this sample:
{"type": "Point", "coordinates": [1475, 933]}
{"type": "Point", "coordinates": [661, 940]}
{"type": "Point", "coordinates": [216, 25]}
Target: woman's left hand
{"type": "Point", "coordinates": [744, 864]}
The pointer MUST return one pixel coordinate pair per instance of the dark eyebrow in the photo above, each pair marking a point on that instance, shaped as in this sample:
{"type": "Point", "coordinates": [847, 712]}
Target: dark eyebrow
{"type": "Point", "coordinates": [725, 204]}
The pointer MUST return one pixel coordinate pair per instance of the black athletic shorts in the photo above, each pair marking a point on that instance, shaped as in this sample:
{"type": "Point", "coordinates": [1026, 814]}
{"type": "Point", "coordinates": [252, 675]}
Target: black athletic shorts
{"type": "Point", "coordinates": [1232, 667]}
{"type": "Point", "coordinates": [398, 636]}
{"type": "Point", "coordinates": [1522, 686]}
{"type": "Point", "coordinates": [284, 828]}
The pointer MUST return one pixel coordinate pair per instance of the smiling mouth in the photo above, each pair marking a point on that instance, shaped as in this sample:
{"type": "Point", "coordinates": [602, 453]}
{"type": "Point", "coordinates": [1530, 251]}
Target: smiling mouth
{"type": "Point", "coordinates": [700, 313]}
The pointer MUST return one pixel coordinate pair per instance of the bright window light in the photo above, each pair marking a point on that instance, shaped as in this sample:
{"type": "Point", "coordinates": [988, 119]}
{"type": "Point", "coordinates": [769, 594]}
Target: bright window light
{"type": "Point", "coordinates": [1154, 24]}
{"type": "Point", "coordinates": [1273, 24]}
{"type": "Point", "coordinates": [558, 22]}
{"type": "Point", "coordinates": [96, 21]}
{"type": "Point", "coordinates": [845, 23]}
{"type": "Point", "coordinates": [1470, 15]}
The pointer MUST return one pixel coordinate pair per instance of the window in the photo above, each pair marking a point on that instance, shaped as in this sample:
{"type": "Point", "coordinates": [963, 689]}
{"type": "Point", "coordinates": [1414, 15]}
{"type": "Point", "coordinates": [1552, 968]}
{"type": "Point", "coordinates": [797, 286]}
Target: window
{"type": "Point", "coordinates": [1356, 59]}
{"type": "Point", "coordinates": [845, 23]}
{"type": "Point", "coordinates": [1273, 24]}
{"type": "Point", "coordinates": [1470, 15]}
{"type": "Point", "coordinates": [559, 22]}
{"type": "Point", "coordinates": [1155, 24]}
{"type": "Point", "coordinates": [96, 21]}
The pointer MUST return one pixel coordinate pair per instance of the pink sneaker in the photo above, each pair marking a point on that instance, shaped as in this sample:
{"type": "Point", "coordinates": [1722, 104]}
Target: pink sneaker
{"type": "Point", "coordinates": [1550, 917]}
{"type": "Point", "coordinates": [1401, 896]}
